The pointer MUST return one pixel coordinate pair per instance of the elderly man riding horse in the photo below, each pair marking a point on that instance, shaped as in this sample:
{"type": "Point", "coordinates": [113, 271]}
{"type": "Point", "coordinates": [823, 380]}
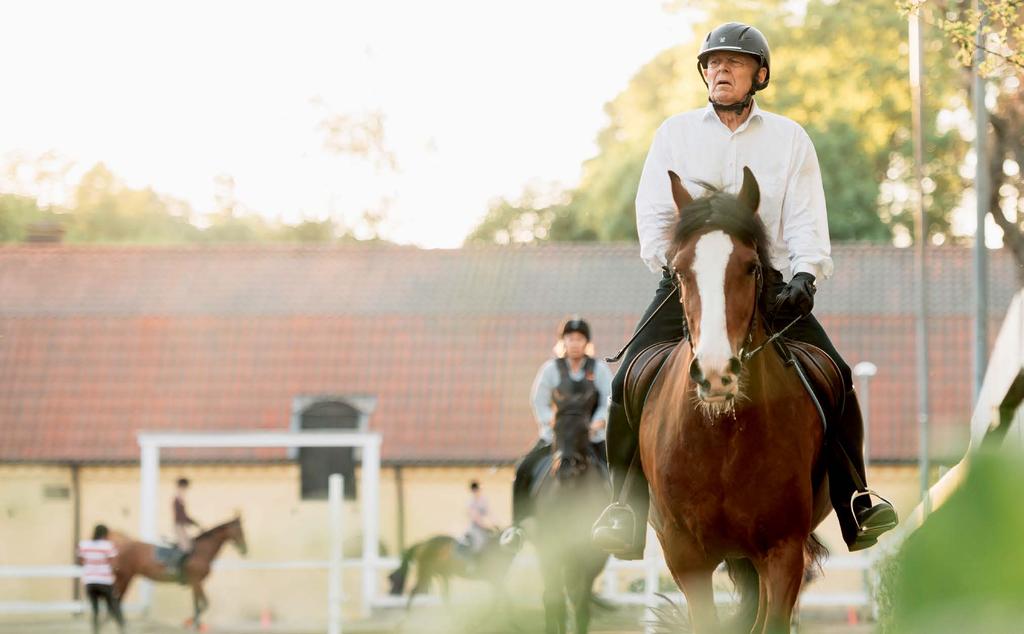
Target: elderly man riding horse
{"type": "Point", "coordinates": [712, 145]}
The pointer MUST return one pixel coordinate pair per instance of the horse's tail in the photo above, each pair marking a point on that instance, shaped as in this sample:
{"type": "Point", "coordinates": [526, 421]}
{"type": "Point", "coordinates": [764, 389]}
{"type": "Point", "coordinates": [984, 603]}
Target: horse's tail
{"type": "Point", "coordinates": [815, 553]}
{"type": "Point", "coordinates": [398, 577]}
{"type": "Point", "coordinates": [748, 585]}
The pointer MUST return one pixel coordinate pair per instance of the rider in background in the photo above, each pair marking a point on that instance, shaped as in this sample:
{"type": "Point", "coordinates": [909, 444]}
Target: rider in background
{"type": "Point", "coordinates": [97, 556]}
{"type": "Point", "coordinates": [573, 369]}
{"type": "Point", "coordinates": [479, 526]}
{"type": "Point", "coordinates": [182, 521]}
{"type": "Point", "coordinates": [713, 145]}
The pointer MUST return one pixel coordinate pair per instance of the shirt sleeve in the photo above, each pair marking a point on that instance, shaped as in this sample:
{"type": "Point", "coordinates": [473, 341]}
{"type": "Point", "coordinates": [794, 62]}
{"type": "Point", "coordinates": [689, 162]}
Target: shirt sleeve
{"type": "Point", "coordinates": [603, 383]}
{"type": "Point", "coordinates": [655, 209]}
{"type": "Point", "coordinates": [804, 217]}
{"type": "Point", "coordinates": [540, 396]}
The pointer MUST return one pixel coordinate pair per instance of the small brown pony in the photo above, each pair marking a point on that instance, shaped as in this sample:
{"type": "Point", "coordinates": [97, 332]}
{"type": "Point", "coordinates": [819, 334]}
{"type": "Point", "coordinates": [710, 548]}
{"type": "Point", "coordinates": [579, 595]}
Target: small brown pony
{"type": "Point", "coordinates": [730, 441]}
{"type": "Point", "coordinates": [139, 558]}
{"type": "Point", "coordinates": [442, 557]}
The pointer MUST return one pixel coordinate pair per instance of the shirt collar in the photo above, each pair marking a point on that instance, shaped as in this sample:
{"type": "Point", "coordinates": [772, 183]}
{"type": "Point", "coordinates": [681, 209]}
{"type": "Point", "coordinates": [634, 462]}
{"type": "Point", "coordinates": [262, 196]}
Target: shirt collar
{"type": "Point", "coordinates": [711, 115]}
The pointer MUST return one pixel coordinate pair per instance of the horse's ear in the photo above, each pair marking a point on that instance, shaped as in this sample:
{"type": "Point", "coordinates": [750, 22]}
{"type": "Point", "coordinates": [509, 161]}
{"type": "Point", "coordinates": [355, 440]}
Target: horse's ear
{"type": "Point", "coordinates": [679, 193]}
{"type": "Point", "coordinates": [750, 192]}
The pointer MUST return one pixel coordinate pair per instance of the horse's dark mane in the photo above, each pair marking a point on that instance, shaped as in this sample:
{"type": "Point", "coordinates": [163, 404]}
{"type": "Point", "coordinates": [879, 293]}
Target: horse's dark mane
{"type": "Point", "coordinates": [721, 211]}
{"type": "Point", "coordinates": [213, 530]}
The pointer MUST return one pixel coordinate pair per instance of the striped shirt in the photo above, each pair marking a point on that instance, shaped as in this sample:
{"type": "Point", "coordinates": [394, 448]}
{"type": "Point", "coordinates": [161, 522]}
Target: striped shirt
{"type": "Point", "coordinates": [97, 556]}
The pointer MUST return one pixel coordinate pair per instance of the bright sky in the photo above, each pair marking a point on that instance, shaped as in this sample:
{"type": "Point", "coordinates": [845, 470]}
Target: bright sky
{"type": "Point", "coordinates": [480, 97]}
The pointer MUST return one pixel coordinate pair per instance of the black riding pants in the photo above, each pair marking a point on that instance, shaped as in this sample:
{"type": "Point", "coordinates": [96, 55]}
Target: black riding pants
{"type": "Point", "coordinates": [97, 591]}
{"type": "Point", "coordinates": [668, 324]}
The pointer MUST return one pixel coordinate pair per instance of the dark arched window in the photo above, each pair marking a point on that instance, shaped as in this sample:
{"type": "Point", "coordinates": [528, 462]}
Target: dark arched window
{"type": "Point", "coordinates": [317, 463]}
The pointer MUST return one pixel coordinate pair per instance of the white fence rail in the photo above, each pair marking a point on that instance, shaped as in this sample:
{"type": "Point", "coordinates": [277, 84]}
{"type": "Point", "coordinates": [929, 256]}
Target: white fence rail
{"type": "Point", "coordinates": [651, 570]}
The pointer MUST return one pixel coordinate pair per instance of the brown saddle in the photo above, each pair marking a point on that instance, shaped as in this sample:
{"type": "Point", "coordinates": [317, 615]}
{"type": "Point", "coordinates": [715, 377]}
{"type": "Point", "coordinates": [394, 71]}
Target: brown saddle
{"type": "Point", "coordinates": [823, 378]}
{"type": "Point", "coordinates": [640, 376]}
{"type": "Point", "coordinates": [822, 373]}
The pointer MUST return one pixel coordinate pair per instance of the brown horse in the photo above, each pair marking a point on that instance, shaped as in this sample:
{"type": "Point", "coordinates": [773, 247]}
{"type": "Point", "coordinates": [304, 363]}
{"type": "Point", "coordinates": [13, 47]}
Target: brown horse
{"type": "Point", "coordinates": [442, 557]}
{"type": "Point", "coordinates": [139, 558]}
{"type": "Point", "coordinates": [567, 502]}
{"type": "Point", "coordinates": [730, 441]}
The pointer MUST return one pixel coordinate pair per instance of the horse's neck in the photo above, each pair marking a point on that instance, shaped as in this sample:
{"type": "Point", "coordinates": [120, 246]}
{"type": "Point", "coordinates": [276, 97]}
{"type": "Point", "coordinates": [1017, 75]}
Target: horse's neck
{"type": "Point", "coordinates": [210, 544]}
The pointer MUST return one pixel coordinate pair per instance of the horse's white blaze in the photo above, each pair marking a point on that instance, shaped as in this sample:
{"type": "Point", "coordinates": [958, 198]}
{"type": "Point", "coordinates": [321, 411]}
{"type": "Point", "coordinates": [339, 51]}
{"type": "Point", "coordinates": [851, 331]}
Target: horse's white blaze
{"type": "Point", "coordinates": [709, 264]}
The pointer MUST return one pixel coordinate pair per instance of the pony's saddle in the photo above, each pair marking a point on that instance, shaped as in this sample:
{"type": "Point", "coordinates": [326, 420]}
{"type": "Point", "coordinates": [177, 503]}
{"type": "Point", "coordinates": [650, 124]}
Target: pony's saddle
{"type": "Point", "coordinates": [173, 559]}
{"type": "Point", "coordinates": [823, 381]}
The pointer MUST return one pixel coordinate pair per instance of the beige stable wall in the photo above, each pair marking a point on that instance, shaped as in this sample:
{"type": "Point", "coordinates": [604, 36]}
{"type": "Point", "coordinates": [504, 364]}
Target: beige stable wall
{"type": "Point", "coordinates": [278, 526]}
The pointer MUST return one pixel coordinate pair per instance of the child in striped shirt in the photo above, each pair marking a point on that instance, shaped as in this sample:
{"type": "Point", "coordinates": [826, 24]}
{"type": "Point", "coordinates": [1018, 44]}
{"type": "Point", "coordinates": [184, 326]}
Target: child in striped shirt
{"type": "Point", "coordinates": [97, 558]}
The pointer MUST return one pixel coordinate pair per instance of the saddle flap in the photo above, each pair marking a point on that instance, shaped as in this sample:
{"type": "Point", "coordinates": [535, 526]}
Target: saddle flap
{"type": "Point", "coordinates": [822, 372]}
{"type": "Point", "coordinates": [640, 376]}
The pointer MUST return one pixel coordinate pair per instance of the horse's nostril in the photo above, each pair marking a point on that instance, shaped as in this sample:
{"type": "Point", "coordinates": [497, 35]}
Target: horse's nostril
{"type": "Point", "coordinates": [734, 365]}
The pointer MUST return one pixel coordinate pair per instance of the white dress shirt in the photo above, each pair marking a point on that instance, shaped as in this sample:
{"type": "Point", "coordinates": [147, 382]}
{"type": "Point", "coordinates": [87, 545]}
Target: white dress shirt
{"type": "Point", "coordinates": [697, 146]}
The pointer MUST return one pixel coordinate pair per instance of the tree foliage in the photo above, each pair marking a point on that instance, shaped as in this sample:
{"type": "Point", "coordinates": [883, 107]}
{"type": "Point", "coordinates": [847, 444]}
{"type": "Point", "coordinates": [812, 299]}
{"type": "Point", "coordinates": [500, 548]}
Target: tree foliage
{"type": "Point", "coordinates": [839, 69]}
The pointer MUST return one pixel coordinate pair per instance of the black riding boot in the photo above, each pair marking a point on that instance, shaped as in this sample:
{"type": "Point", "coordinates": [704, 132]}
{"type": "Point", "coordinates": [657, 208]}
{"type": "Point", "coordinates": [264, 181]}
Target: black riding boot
{"type": "Point", "coordinates": [512, 538]}
{"type": "Point", "coordinates": [621, 530]}
{"type": "Point", "coordinates": [860, 521]}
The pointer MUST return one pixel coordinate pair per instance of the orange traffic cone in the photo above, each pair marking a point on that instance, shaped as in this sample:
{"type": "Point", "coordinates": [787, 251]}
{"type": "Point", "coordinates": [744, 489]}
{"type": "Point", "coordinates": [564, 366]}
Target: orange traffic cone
{"type": "Point", "coordinates": [851, 616]}
{"type": "Point", "coordinates": [265, 619]}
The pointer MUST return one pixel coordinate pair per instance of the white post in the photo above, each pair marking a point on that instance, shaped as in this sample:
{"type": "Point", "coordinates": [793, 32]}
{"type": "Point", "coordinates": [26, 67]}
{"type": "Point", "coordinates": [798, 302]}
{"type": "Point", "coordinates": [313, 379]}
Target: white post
{"type": "Point", "coordinates": [335, 500]}
{"type": "Point", "coordinates": [371, 520]}
{"type": "Point", "coordinates": [652, 566]}
{"type": "Point", "coordinates": [149, 491]}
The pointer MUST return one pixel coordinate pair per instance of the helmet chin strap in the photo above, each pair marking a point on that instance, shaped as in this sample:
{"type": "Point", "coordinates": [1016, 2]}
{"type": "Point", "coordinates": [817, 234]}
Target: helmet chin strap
{"type": "Point", "coordinates": [737, 107]}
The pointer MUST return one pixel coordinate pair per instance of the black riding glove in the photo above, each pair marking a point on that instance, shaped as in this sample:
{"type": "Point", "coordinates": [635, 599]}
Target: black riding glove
{"type": "Point", "coordinates": [797, 296]}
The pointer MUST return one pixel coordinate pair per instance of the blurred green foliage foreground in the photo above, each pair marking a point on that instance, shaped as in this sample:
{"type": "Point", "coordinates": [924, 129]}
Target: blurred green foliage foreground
{"type": "Point", "coordinates": [963, 570]}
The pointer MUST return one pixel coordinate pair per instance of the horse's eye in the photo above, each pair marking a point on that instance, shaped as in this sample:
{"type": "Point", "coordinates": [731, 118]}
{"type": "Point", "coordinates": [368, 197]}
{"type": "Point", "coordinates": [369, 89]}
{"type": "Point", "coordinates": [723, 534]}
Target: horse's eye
{"type": "Point", "coordinates": [751, 268]}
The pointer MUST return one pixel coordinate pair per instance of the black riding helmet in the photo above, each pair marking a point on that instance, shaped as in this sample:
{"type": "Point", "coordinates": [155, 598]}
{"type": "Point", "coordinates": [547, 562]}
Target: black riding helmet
{"type": "Point", "coordinates": [575, 324]}
{"type": "Point", "coordinates": [735, 36]}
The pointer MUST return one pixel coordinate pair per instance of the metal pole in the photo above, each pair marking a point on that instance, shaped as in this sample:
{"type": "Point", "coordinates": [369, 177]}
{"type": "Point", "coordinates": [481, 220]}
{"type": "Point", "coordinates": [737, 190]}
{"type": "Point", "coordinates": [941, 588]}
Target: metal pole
{"type": "Point", "coordinates": [982, 189]}
{"type": "Point", "coordinates": [335, 501]}
{"type": "Point", "coordinates": [864, 371]}
{"type": "Point", "coordinates": [920, 245]}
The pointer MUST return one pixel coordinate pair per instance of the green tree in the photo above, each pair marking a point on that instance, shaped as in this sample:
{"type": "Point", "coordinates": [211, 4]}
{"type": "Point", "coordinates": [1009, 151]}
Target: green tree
{"type": "Point", "coordinates": [105, 210]}
{"type": "Point", "coordinates": [852, 99]}
{"type": "Point", "coordinates": [17, 214]}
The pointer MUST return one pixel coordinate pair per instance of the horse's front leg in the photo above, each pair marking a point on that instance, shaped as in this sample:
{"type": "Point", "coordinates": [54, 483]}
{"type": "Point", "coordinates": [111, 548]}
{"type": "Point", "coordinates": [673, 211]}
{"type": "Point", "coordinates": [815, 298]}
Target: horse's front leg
{"type": "Point", "coordinates": [692, 571]}
{"type": "Point", "coordinates": [199, 604]}
{"type": "Point", "coordinates": [554, 594]}
{"type": "Point", "coordinates": [782, 572]}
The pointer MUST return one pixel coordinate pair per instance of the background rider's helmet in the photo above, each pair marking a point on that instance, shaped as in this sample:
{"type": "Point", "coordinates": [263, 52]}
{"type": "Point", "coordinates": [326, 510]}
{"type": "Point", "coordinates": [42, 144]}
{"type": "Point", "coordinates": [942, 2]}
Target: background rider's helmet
{"type": "Point", "coordinates": [735, 36]}
{"type": "Point", "coordinates": [576, 324]}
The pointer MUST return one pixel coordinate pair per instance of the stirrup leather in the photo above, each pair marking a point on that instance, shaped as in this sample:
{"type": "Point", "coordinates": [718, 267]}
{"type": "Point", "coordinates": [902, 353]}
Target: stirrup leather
{"type": "Point", "coordinates": [868, 493]}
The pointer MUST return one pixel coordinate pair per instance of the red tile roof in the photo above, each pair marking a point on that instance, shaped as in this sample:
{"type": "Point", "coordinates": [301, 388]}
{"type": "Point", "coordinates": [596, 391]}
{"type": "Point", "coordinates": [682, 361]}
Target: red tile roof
{"type": "Point", "coordinates": [98, 343]}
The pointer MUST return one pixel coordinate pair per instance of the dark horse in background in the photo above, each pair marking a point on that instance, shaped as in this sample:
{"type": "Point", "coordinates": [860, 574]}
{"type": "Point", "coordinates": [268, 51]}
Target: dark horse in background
{"type": "Point", "coordinates": [567, 502]}
{"type": "Point", "coordinates": [731, 442]}
{"type": "Point", "coordinates": [140, 558]}
{"type": "Point", "coordinates": [442, 557]}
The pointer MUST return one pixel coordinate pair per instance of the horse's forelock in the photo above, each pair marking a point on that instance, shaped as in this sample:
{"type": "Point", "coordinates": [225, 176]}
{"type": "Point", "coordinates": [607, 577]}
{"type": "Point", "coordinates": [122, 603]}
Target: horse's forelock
{"type": "Point", "coordinates": [720, 211]}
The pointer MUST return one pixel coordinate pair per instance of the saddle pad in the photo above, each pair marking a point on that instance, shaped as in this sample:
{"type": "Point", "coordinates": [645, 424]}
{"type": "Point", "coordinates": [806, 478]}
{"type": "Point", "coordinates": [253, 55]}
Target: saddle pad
{"type": "Point", "coordinates": [168, 555]}
{"type": "Point", "coordinates": [823, 374]}
{"type": "Point", "coordinates": [640, 376]}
